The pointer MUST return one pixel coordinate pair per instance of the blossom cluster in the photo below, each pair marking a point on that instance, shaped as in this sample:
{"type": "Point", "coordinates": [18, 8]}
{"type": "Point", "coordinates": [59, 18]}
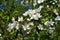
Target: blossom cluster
{"type": "Point", "coordinates": [34, 14]}
{"type": "Point", "coordinates": [40, 20]}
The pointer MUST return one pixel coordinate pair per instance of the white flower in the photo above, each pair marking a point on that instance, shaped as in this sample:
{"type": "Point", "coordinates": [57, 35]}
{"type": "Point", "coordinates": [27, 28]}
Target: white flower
{"type": "Point", "coordinates": [25, 27]}
{"type": "Point", "coordinates": [28, 32]}
{"type": "Point", "coordinates": [40, 27]}
{"type": "Point", "coordinates": [48, 23]}
{"type": "Point", "coordinates": [32, 12]}
{"type": "Point", "coordinates": [37, 10]}
{"type": "Point", "coordinates": [0, 34]}
{"type": "Point", "coordinates": [58, 5]}
{"type": "Point", "coordinates": [56, 1]}
{"type": "Point", "coordinates": [28, 19]}
{"type": "Point", "coordinates": [13, 19]}
{"type": "Point", "coordinates": [31, 23]}
{"type": "Point", "coordinates": [25, 14]}
{"type": "Point", "coordinates": [52, 28]}
{"type": "Point", "coordinates": [55, 11]}
{"type": "Point", "coordinates": [11, 26]}
{"type": "Point", "coordinates": [48, 6]}
{"type": "Point", "coordinates": [40, 7]}
{"type": "Point", "coordinates": [22, 2]}
{"type": "Point", "coordinates": [53, 3]}
{"type": "Point", "coordinates": [31, 18]}
{"type": "Point", "coordinates": [57, 18]}
{"type": "Point", "coordinates": [38, 15]}
{"type": "Point", "coordinates": [40, 1]}
{"type": "Point", "coordinates": [20, 19]}
{"type": "Point", "coordinates": [35, 17]}
{"type": "Point", "coordinates": [28, 26]}
{"type": "Point", "coordinates": [26, 2]}
{"type": "Point", "coordinates": [51, 22]}
{"type": "Point", "coordinates": [15, 24]}
{"type": "Point", "coordinates": [34, 4]}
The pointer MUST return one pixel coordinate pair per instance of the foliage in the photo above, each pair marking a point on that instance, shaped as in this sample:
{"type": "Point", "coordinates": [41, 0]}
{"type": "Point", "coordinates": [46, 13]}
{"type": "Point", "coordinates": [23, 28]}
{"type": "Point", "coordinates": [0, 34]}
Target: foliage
{"type": "Point", "coordinates": [44, 24]}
